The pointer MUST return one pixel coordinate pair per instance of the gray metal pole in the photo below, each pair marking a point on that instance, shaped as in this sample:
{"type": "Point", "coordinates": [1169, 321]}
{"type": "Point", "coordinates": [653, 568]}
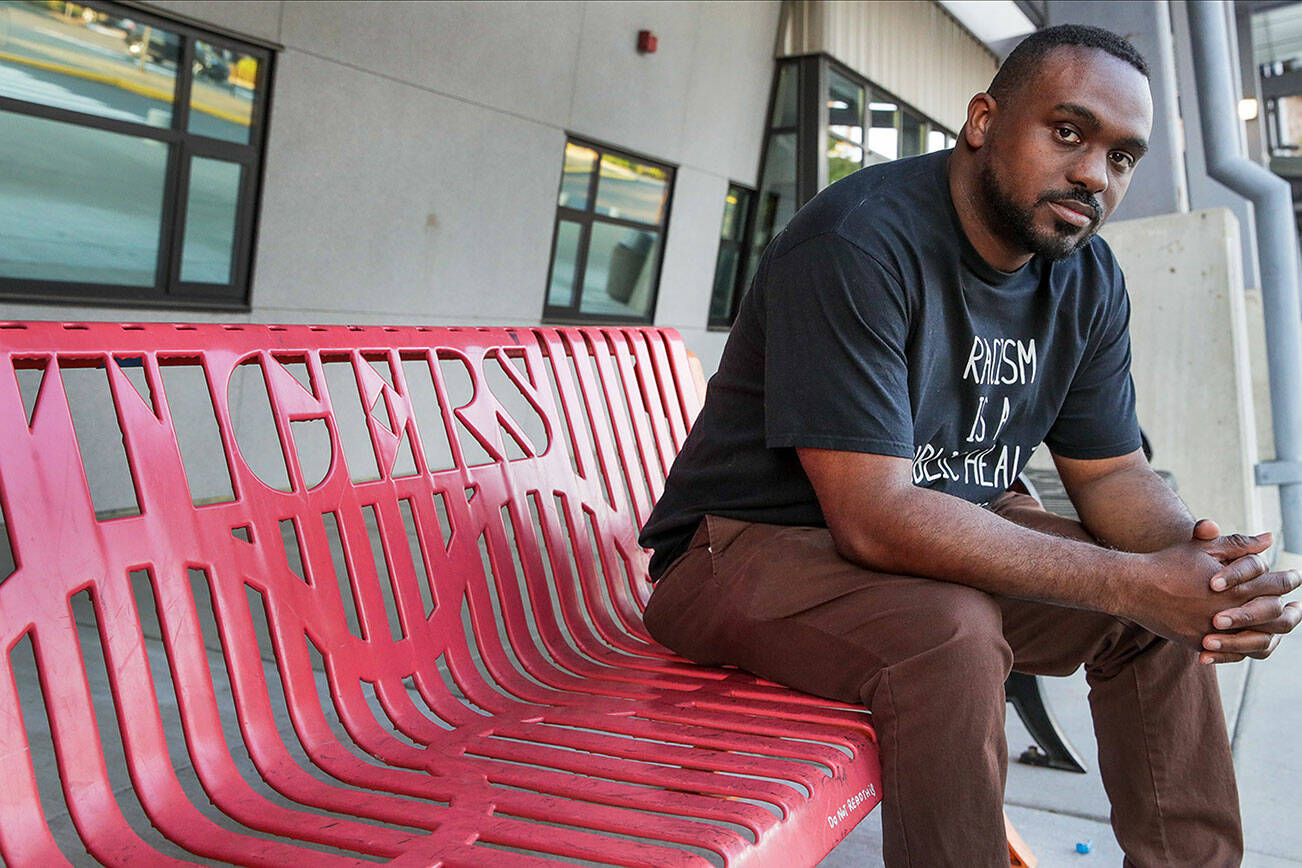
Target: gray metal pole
{"type": "Point", "coordinates": [1272, 202]}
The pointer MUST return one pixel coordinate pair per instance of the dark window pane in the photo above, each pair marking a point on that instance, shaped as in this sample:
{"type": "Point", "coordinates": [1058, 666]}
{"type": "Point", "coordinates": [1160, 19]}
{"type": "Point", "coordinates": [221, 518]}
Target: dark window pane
{"type": "Point", "coordinates": [725, 283]}
{"type": "Point", "coordinates": [777, 193]}
{"type": "Point", "coordinates": [910, 136]}
{"type": "Point", "coordinates": [631, 190]}
{"type": "Point", "coordinates": [560, 293]}
{"type": "Point", "coordinates": [210, 221]}
{"type": "Point", "coordinates": [784, 105]}
{"type": "Point", "coordinates": [883, 136]}
{"type": "Point", "coordinates": [221, 94]}
{"type": "Point", "coordinates": [844, 126]}
{"type": "Point", "coordinates": [619, 278]}
{"type": "Point", "coordinates": [88, 62]}
{"type": "Point", "coordinates": [575, 176]}
{"type": "Point", "coordinates": [78, 204]}
{"type": "Point", "coordinates": [734, 212]}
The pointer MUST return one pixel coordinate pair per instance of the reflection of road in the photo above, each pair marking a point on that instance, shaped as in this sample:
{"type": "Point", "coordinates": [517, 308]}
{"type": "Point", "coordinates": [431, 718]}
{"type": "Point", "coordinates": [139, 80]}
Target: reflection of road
{"type": "Point", "coordinates": [50, 88]}
{"type": "Point", "coordinates": [630, 199]}
{"type": "Point", "coordinates": [93, 64]}
{"type": "Point", "coordinates": [80, 204]}
{"type": "Point", "coordinates": [77, 203]}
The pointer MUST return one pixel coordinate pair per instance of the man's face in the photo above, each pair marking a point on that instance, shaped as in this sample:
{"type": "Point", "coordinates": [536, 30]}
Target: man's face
{"type": "Point", "coordinates": [1062, 150]}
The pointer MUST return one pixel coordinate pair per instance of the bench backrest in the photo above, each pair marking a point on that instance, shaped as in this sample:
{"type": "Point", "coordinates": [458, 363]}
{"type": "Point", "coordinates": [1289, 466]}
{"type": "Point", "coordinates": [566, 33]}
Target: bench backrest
{"type": "Point", "coordinates": [399, 507]}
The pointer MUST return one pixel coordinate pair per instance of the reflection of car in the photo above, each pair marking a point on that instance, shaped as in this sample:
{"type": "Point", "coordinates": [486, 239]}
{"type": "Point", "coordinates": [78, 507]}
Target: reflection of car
{"type": "Point", "coordinates": [165, 47]}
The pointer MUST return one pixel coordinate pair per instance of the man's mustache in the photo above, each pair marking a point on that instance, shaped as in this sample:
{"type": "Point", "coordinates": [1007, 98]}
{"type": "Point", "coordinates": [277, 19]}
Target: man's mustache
{"type": "Point", "coordinates": [1081, 196]}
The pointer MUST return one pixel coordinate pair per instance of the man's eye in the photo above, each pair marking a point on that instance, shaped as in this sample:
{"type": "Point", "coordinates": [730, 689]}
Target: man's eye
{"type": "Point", "coordinates": [1122, 159]}
{"type": "Point", "coordinates": [1067, 134]}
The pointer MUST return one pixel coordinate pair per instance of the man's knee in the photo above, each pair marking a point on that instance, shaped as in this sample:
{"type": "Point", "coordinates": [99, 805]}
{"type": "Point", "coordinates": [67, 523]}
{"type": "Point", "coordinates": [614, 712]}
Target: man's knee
{"type": "Point", "coordinates": [955, 646]}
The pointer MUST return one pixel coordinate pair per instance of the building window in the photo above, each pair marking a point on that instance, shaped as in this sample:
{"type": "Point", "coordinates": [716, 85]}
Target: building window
{"type": "Point", "coordinates": [826, 122]}
{"type": "Point", "coordinates": [130, 157]}
{"type": "Point", "coordinates": [609, 240]}
{"type": "Point", "coordinates": [728, 270]}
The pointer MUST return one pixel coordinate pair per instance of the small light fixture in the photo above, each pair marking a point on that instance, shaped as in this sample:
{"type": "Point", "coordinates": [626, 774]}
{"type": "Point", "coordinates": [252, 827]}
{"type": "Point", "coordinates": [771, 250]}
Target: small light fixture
{"type": "Point", "coordinates": [1248, 109]}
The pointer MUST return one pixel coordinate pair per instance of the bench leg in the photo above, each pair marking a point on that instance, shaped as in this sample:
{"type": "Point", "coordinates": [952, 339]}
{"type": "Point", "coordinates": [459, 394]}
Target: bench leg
{"type": "Point", "coordinates": [1019, 855]}
{"type": "Point", "coordinates": [1023, 691]}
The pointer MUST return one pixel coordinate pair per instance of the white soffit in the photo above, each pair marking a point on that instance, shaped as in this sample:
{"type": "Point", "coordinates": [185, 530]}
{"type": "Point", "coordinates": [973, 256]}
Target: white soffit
{"type": "Point", "coordinates": [991, 21]}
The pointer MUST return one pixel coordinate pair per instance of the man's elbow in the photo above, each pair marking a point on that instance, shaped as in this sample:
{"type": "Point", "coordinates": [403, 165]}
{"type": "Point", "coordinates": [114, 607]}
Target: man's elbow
{"type": "Point", "coordinates": [870, 549]}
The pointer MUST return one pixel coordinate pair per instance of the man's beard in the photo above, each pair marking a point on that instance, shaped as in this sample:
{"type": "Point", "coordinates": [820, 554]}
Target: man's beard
{"type": "Point", "coordinates": [1017, 224]}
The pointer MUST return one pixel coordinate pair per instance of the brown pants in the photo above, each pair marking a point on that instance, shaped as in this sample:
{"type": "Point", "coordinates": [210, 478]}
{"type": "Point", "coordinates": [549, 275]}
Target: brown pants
{"type": "Point", "coordinates": [929, 658]}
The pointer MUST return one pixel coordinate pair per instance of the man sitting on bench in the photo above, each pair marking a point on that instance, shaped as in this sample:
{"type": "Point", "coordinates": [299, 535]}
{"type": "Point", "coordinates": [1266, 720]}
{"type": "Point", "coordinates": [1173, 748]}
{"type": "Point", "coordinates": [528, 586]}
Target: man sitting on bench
{"type": "Point", "coordinates": [839, 519]}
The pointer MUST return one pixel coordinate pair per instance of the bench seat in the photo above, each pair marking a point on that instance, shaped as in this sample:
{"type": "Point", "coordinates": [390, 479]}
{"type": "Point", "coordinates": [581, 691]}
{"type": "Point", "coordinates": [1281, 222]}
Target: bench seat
{"type": "Point", "coordinates": [359, 594]}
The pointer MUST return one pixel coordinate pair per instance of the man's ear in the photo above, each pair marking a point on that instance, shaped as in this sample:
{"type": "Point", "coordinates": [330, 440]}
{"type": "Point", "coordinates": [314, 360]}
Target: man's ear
{"type": "Point", "coordinates": [980, 113]}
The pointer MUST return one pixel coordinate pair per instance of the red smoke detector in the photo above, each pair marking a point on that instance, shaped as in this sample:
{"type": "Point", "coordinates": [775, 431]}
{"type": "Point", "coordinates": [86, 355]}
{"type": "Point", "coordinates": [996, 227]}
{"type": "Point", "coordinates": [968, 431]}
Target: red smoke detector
{"type": "Point", "coordinates": [646, 42]}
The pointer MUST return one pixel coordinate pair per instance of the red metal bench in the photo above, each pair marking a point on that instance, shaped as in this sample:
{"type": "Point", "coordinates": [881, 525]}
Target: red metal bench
{"type": "Point", "coordinates": [371, 594]}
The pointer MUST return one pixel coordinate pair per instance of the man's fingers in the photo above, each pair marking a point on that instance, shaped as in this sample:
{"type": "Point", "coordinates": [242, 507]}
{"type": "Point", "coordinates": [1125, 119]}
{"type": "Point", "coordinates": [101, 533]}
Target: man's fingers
{"type": "Point", "coordinates": [1238, 571]}
{"type": "Point", "coordinates": [1209, 657]}
{"type": "Point", "coordinates": [1256, 613]}
{"type": "Point", "coordinates": [1205, 529]}
{"type": "Point", "coordinates": [1277, 584]}
{"type": "Point", "coordinates": [1252, 643]}
{"type": "Point", "coordinates": [1235, 545]}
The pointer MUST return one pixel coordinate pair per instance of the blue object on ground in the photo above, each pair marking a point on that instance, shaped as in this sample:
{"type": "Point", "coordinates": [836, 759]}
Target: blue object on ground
{"type": "Point", "coordinates": [1084, 847]}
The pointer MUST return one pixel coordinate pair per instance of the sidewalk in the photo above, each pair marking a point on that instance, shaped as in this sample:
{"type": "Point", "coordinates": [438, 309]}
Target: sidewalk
{"type": "Point", "coordinates": [1054, 810]}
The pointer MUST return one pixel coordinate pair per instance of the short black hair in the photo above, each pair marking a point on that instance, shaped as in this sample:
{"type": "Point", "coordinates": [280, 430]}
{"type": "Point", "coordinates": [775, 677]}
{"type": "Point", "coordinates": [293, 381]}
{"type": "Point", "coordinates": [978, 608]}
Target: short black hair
{"type": "Point", "coordinates": [1026, 58]}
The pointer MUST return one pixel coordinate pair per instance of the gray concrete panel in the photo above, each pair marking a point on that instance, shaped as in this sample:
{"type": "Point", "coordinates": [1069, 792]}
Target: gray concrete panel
{"type": "Point", "coordinates": [257, 18]}
{"type": "Point", "coordinates": [385, 199]}
{"type": "Point", "coordinates": [687, 275]}
{"type": "Point", "coordinates": [636, 100]}
{"type": "Point", "coordinates": [518, 58]}
{"type": "Point", "coordinates": [728, 94]}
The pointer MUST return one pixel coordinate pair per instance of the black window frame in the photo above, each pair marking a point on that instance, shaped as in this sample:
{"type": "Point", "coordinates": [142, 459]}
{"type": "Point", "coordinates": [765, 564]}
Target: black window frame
{"type": "Point", "coordinates": [741, 245]}
{"type": "Point", "coordinates": [810, 130]}
{"type": "Point", "coordinates": [586, 217]}
{"type": "Point", "coordinates": [168, 290]}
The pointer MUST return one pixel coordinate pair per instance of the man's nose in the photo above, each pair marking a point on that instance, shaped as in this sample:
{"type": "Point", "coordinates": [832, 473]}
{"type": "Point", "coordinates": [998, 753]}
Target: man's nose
{"type": "Point", "coordinates": [1090, 171]}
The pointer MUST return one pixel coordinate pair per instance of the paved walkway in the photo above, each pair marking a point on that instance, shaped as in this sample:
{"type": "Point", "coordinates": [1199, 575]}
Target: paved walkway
{"type": "Point", "coordinates": [1055, 810]}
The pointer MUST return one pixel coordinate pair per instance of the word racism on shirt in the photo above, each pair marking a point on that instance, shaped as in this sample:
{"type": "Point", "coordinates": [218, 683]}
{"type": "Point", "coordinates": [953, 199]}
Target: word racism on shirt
{"type": "Point", "coordinates": [1000, 361]}
{"type": "Point", "coordinates": [990, 362]}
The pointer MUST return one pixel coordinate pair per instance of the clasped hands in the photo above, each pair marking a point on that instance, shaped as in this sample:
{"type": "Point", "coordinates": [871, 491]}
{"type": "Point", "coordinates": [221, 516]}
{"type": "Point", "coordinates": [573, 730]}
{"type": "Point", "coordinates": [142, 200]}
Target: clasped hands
{"type": "Point", "coordinates": [1255, 614]}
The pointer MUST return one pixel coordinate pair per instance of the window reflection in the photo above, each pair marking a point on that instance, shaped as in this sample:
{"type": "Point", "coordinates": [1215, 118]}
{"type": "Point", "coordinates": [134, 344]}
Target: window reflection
{"type": "Point", "coordinates": [936, 141]}
{"type": "Point", "coordinates": [576, 176]}
{"type": "Point", "coordinates": [221, 92]}
{"type": "Point", "coordinates": [910, 135]}
{"type": "Point", "coordinates": [631, 190]}
{"type": "Point", "coordinates": [210, 221]}
{"type": "Point", "coordinates": [620, 271]}
{"type": "Point", "coordinates": [844, 126]}
{"type": "Point", "coordinates": [884, 136]}
{"type": "Point", "coordinates": [79, 59]}
{"type": "Point", "coordinates": [561, 291]}
{"type": "Point", "coordinates": [78, 204]}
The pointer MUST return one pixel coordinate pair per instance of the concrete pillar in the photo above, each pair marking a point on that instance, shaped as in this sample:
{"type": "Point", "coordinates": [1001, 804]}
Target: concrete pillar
{"type": "Point", "coordinates": [1160, 185]}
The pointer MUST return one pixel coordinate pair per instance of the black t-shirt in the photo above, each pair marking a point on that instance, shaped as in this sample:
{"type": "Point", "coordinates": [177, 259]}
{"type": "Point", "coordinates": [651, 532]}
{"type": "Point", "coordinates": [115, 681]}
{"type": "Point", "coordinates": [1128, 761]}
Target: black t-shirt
{"type": "Point", "coordinates": [873, 325]}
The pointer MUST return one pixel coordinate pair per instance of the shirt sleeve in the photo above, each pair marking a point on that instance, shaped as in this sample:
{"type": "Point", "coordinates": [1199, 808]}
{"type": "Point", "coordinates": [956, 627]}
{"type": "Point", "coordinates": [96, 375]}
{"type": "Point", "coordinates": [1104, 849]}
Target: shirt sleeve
{"type": "Point", "coordinates": [835, 369]}
{"type": "Point", "coordinates": [1097, 418]}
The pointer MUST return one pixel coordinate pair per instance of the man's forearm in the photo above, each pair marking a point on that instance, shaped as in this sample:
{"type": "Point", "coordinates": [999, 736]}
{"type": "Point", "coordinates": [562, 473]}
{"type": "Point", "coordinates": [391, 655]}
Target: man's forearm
{"type": "Point", "coordinates": [927, 533]}
{"type": "Point", "coordinates": [1133, 510]}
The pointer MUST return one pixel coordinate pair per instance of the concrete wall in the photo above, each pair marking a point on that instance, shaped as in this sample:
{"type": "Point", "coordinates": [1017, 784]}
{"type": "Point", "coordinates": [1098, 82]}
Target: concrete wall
{"type": "Point", "coordinates": [414, 149]}
{"type": "Point", "coordinates": [1190, 332]}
